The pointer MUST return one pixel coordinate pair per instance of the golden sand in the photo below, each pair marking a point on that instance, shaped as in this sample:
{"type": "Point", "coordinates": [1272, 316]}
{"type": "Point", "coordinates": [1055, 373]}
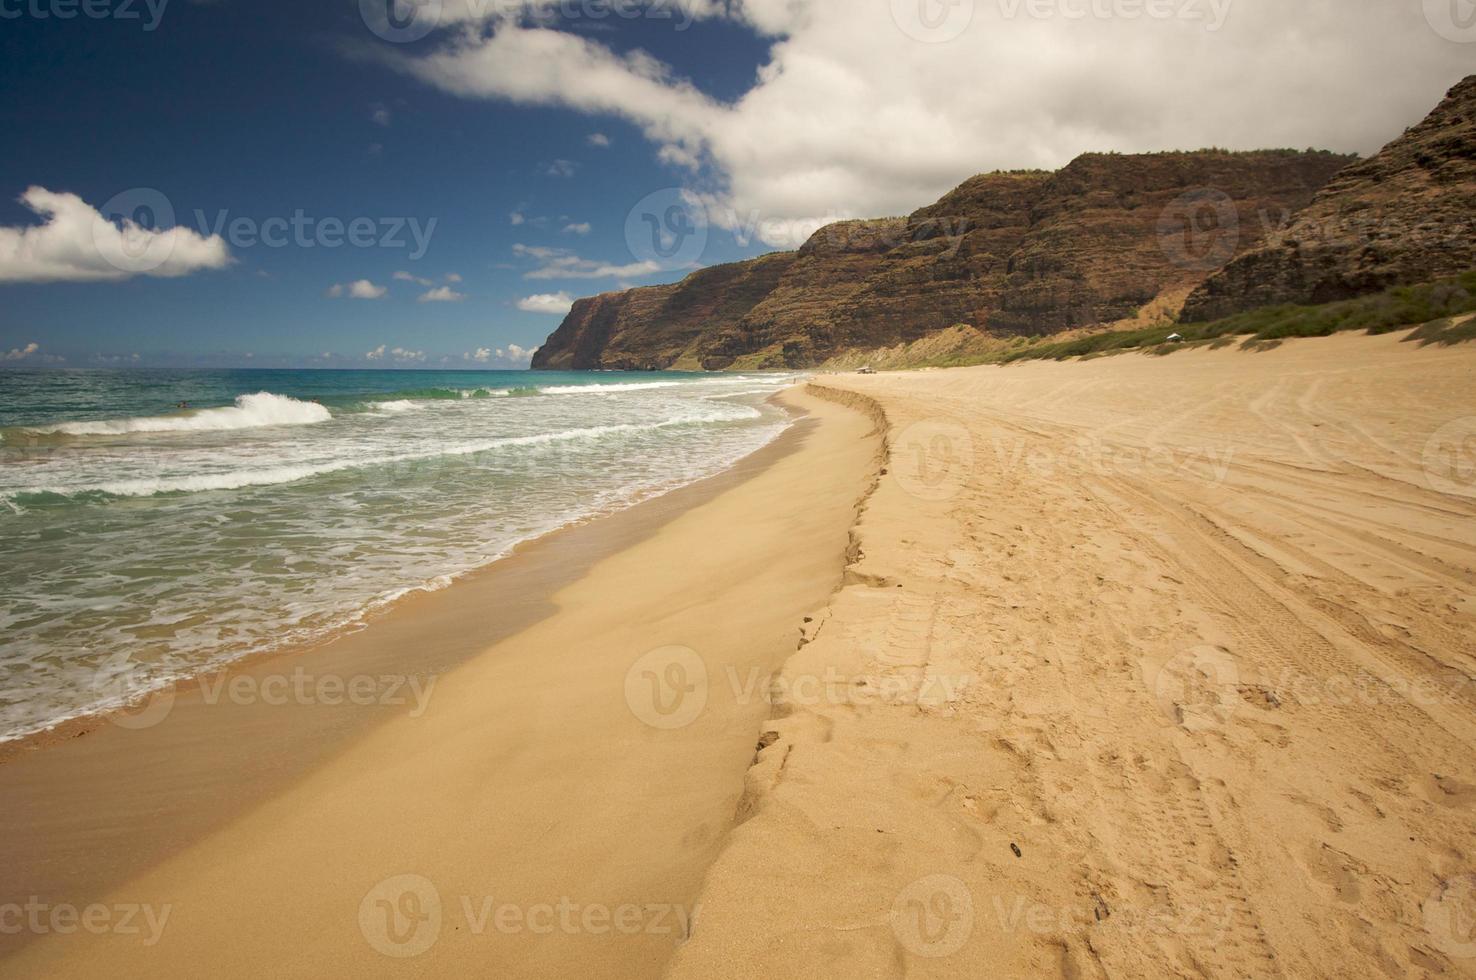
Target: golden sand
{"type": "Point", "coordinates": [1151, 667]}
{"type": "Point", "coordinates": [1139, 666]}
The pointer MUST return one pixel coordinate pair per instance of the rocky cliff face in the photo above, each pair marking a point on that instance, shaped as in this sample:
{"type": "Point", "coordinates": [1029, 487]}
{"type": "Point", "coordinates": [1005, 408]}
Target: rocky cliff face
{"type": "Point", "coordinates": [658, 327]}
{"type": "Point", "coordinates": [1027, 252]}
{"type": "Point", "coordinates": [1403, 216]}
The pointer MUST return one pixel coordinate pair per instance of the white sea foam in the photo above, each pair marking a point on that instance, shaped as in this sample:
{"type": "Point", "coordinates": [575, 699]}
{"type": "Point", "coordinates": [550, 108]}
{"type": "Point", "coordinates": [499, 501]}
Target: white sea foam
{"type": "Point", "coordinates": [369, 508]}
{"type": "Point", "coordinates": [249, 412]}
{"type": "Point", "coordinates": [606, 389]}
{"type": "Point", "coordinates": [237, 479]}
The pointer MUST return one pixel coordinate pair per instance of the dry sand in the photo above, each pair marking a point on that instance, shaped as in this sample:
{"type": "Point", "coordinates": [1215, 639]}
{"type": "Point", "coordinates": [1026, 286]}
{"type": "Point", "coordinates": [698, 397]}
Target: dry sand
{"type": "Point", "coordinates": [1151, 667]}
{"type": "Point", "coordinates": [549, 813]}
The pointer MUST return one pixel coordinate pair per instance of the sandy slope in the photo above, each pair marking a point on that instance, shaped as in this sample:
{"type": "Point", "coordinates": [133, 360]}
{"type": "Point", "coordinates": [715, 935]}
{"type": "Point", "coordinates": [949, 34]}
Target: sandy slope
{"type": "Point", "coordinates": [1151, 667]}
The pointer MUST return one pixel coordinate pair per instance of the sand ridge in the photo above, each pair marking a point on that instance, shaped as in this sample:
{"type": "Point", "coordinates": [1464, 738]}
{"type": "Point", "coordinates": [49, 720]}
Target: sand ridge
{"type": "Point", "coordinates": [1145, 667]}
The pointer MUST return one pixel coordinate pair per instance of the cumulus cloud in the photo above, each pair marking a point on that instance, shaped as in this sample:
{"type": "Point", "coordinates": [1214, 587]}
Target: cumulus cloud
{"type": "Point", "coordinates": [516, 218]}
{"type": "Point", "coordinates": [20, 353]}
{"type": "Point", "coordinates": [380, 114]}
{"type": "Point", "coordinates": [555, 303]}
{"type": "Point", "coordinates": [77, 243]}
{"type": "Point", "coordinates": [561, 168]}
{"type": "Point", "coordinates": [511, 356]}
{"type": "Point", "coordinates": [872, 109]}
{"type": "Point", "coordinates": [561, 263]}
{"type": "Point", "coordinates": [441, 294]}
{"type": "Point", "coordinates": [515, 355]}
{"type": "Point", "coordinates": [358, 289]}
{"type": "Point", "coordinates": [400, 355]}
{"type": "Point", "coordinates": [600, 140]}
{"type": "Point", "coordinates": [577, 228]}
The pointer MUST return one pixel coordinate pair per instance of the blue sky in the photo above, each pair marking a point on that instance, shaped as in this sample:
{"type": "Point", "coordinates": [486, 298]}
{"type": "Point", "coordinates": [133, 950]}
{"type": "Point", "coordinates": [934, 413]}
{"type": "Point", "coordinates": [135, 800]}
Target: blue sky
{"type": "Point", "coordinates": [761, 119]}
{"type": "Point", "coordinates": [261, 110]}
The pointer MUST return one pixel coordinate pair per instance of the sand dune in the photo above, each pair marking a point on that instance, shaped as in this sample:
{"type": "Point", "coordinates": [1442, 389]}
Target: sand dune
{"type": "Point", "coordinates": [1147, 667]}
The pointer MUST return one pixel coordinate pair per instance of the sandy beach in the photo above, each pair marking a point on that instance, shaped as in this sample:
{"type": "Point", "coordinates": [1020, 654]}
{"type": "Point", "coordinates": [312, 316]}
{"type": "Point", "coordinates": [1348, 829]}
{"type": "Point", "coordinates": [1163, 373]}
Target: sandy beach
{"type": "Point", "coordinates": [1136, 666]}
{"type": "Point", "coordinates": [1150, 667]}
{"type": "Point", "coordinates": [543, 812]}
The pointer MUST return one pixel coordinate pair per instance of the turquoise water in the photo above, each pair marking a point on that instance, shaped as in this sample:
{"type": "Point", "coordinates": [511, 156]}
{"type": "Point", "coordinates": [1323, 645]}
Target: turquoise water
{"type": "Point", "coordinates": [146, 539]}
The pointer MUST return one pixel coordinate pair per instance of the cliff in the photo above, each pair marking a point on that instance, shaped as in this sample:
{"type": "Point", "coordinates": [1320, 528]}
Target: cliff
{"type": "Point", "coordinates": [1405, 215]}
{"type": "Point", "coordinates": [1014, 253]}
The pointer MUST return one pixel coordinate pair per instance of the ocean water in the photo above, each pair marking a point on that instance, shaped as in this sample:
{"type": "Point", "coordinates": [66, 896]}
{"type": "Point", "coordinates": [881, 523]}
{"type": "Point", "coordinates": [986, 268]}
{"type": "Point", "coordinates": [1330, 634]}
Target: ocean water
{"type": "Point", "coordinates": [144, 539]}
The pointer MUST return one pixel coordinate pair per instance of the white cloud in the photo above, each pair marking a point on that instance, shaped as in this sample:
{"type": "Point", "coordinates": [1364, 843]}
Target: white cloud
{"type": "Point", "coordinates": [855, 115]}
{"type": "Point", "coordinates": [561, 168]}
{"type": "Point", "coordinates": [561, 263]}
{"type": "Point", "coordinates": [358, 289]}
{"type": "Point", "coordinates": [408, 277]}
{"type": "Point", "coordinates": [76, 243]}
{"type": "Point", "coordinates": [380, 114]}
{"type": "Point", "coordinates": [452, 277]}
{"type": "Point", "coordinates": [20, 353]}
{"type": "Point", "coordinates": [398, 354]}
{"type": "Point", "coordinates": [511, 356]}
{"type": "Point", "coordinates": [577, 228]}
{"type": "Point", "coordinates": [554, 303]}
{"type": "Point", "coordinates": [516, 218]}
{"type": "Point", "coordinates": [599, 139]}
{"type": "Point", "coordinates": [441, 294]}
{"type": "Point", "coordinates": [544, 67]}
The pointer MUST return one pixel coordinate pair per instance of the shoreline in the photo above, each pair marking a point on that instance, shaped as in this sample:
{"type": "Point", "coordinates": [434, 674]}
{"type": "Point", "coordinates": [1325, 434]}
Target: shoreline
{"type": "Point", "coordinates": [90, 719]}
{"type": "Point", "coordinates": [51, 845]}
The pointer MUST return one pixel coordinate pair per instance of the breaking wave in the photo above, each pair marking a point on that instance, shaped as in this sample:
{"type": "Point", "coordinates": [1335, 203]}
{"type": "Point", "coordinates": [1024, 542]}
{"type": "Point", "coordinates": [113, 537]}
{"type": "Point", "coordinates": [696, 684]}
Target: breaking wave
{"type": "Point", "coordinates": [249, 412]}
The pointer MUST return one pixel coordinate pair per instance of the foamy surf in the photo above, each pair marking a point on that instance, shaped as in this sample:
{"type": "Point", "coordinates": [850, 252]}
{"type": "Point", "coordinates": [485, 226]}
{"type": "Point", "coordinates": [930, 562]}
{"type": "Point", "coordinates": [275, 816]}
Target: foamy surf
{"type": "Point", "coordinates": [185, 540]}
{"type": "Point", "coordinates": [249, 412]}
{"type": "Point", "coordinates": [275, 475]}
